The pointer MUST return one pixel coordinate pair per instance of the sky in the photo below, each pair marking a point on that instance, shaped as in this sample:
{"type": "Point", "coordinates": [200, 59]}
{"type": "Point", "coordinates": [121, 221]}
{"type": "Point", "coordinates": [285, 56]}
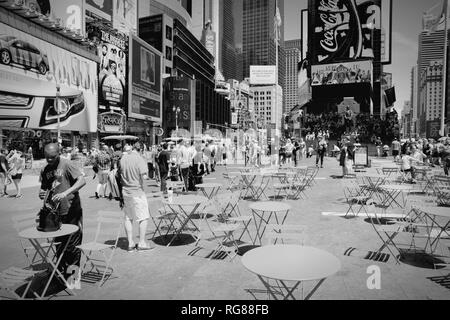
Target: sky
{"type": "Point", "coordinates": [406, 26]}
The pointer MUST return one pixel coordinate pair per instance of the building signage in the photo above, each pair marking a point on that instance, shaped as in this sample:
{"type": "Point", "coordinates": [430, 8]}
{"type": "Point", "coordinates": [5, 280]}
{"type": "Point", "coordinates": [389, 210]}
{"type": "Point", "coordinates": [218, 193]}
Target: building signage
{"type": "Point", "coordinates": [386, 31]}
{"type": "Point", "coordinates": [111, 122]}
{"type": "Point", "coordinates": [343, 29]}
{"type": "Point", "coordinates": [145, 81]}
{"type": "Point", "coordinates": [234, 118]}
{"type": "Point", "coordinates": [125, 16]}
{"type": "Point", "coordinates": [151, 30]}
{"type": "Point", "coordinates": [260, 75]}
{"type": "Point", "coordinates": [341, 73]}
{"type": "Point", "coordinates": [210, 41]}
{"type": "Point", "coordinates": [30, 70]}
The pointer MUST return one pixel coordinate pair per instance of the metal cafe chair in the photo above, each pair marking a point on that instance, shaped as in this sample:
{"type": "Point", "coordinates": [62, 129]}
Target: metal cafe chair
{"type": "Point", "coordinates": [441, 187]}
{"type": "Point", "coordinates": [354, 198]}
{"type": "Point", "coordinates": [164, 220]}
{"type": "Point", "coordinates": [109, 226]}
{"type": "Point", "coordinates": [14, 278]}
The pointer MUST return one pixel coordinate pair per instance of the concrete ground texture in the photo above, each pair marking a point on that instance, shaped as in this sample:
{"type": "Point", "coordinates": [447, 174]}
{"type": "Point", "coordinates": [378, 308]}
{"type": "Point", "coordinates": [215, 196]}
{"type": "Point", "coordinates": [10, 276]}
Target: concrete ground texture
{"type": "Point", "coordinates": [178, 272]}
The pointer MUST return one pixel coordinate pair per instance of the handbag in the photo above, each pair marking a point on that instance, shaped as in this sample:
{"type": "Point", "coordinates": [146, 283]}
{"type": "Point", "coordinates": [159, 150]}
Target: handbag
{"type": "Point", "coordinates": [49, 219]}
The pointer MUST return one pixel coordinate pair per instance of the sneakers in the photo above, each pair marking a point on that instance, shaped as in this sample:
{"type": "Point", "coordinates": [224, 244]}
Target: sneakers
{"type": "Point", "coordinates": [132, 249]}
{"type": "Point", "coordinates": [96, 196]}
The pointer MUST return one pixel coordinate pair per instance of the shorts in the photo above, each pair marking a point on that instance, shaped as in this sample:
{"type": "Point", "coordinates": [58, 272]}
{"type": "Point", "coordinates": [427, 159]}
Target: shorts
{"type": "Point", "coordinates": [288, 155]}
{"type": "Point", "coordinates": [103, 176]}
{"type": "Point", "coordinates": [395, 153]}
{"type": "Point", "coordinates": [17, 176]}
{"type": "Point", "coordinates": [136, 207]}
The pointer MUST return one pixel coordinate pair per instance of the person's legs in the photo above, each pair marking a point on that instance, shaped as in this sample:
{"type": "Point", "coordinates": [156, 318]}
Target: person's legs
{"type": "Point", "coordinates": [16, 181]}
{"type": "Point", "coordinates": [129, 209]}
{"type": "Point", "coordinates": [3, 184]}
{"type": "Point", "coordinates": [142, 215]}
{"type": "Point", "coordinates": [185, 176]}
{"type": "Point", "coordinates": [164, 181]}
{"type": "Point", "coordinates": [322, 155]}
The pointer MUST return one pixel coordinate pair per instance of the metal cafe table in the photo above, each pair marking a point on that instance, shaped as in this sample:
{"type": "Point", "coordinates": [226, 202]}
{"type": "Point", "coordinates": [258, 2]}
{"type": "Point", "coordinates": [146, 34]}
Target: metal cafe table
{"type": "Point", "coordinates": [440, 223]}
{"type": "Point", "coordinates": [213, 187]}
{"type": "Point", "coordinates": [262, 214]}
{"type": "Point", "coordinates": [290, 263]}
{"type": "Point", "coordinates": [393, 191]}
{"type": "Point", "coordinates": [184, 207]}
{"type": "Point", "coordinates": [33, 235]}
{"type": "Point", "coordinates": [256, 183]}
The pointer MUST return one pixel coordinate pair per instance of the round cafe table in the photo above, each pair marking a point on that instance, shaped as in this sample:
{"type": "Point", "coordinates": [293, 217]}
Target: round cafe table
{"type": "Point", "coordinates": [33, 235]}
{"type": "Point", "coordinates": [262, 214]}
{"type": "Point", "coordinates": [440, 222]}
{"type": "Point", "coordinates": [184, 207]}
{"type": "Point", "coordinates": [212, 187]}
{"type": "Point", "coordinates": [393, 191]}
{"type": "Point", "coordinates": [293, 263]}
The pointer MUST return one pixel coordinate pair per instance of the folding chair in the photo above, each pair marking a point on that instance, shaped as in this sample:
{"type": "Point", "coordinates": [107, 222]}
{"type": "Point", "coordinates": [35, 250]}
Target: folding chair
{"type": "Point", "coordinates": [14, 278]}
{"type": "Point", "coordinates": [233, 181]}
{"type": "Point", "coordinates": [441, 187]}
{"type": "Point", "coordinates": [176, 186]}
{"type": "Point", "coordinates": [25, 221]}
{"type": "Point", "coordinates": [285, 234]}
{"type": "Point", "coordinates": [113, 222]}
{"type": "Point", "coordinates": [229, 205]}
{"type": "Point", "coordinates": [165, 220]}
{"type": "Point", "coordinates": [353, 197]}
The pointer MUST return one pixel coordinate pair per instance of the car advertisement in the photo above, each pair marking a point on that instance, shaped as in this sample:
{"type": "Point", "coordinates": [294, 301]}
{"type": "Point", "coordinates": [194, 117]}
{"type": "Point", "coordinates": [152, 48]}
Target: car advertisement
{"type": "Point", "coordinates": [341, 73]}
{"type": "Point", "coordinates": [113, 73]}
{"type": "Point", "coordinates": [125, 16]}
{"type": "Point", "coordinates": [30, 70]}
{"type": "Point", "coordinates": [343, 29]}
{"type": "Point", "coordinates": [145, 81]}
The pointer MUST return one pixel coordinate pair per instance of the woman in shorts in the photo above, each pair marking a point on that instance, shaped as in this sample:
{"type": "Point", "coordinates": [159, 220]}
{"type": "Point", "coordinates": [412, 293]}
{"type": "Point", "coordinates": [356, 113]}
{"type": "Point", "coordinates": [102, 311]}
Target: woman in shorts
{"type": "Point", "coordinates": [16, 165]}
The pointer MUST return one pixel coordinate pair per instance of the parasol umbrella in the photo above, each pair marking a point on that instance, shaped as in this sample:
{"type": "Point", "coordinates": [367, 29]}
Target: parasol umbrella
{"type": "Point", "coordinates": [121, 138]}
{"type": "Point", "coordinates": [442, 138]}
{"type": "Point", "coordinates": [2, 136]}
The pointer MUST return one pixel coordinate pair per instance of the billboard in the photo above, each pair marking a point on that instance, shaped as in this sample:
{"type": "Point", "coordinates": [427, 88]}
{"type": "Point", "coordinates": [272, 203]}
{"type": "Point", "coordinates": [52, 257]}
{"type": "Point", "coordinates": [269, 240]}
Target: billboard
{"type": "Point", "coordinates": [69, 13]}
{"type": "Point", "coordinates": [343, 29]}
{"type": "Point", "coordinates": [112, 73]}
{"type": "Point", "coordinates": [101, 8]}
{"type": "Point", "coordinates": [151, 30]}
{"type": "Point", "coordinates": [178, 95]}
{"type": "Point", "coordinates": [145, 81]}
{"type": "Point", "coordinates": [304, 32]}
{"type": "Point", "coordinates": [30, 69]}
{"type": "Point", "coordinates": [125, 16]}
{"type": "Point", "coordinates": [260, 75]}
{"type": "Point", "coordinates": [341, 73]}
{"type": "Point", "coordinates": [386, 31]}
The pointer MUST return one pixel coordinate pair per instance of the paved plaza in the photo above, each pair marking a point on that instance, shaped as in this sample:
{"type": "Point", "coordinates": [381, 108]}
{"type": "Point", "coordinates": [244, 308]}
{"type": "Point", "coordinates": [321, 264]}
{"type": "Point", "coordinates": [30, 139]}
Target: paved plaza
{"type": "Point", "coordinates": [178, 272]}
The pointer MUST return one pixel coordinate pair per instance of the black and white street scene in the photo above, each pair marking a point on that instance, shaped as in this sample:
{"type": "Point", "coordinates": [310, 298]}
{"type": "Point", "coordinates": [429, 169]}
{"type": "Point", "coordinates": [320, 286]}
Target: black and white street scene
{"type": "Point", "coordinates": [223, 150]}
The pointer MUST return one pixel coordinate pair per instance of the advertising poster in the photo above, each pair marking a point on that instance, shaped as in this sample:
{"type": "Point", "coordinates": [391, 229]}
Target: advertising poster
{"type": "Point", "coordinates": [30, 70]}
{"type": "Point", "coordinates": [361, 156]}
{"type": "Point", "coordinates": [262, 75]}
{"type": "Point", "coordinates": [343, 29]}
{"type": "Point", "coordinates": [150, 29]}
{"type": "Point", "coordinates": [341, 73]}
{"type": "Point", "coordinates": [178, 95]}
{"type": "Point", "coordinates": [112, 74]}
{"type": "Point", "coordinates": [145, 81]}
{"type": "Point", "coordinates": [69, 13]}
{"type": "Point", "coordinates": [386, 31]}
{"type": "Point", "coordinates": [101, 8]}
{"type": "Point", "coordinates": [125, 16]}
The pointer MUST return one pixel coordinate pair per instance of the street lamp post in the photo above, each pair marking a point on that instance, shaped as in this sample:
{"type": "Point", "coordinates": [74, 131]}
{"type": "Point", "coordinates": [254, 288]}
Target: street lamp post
{"type": "Point", "coordinates": [177, 110]}
{"type": "Point", "coordinates": [58, 113]}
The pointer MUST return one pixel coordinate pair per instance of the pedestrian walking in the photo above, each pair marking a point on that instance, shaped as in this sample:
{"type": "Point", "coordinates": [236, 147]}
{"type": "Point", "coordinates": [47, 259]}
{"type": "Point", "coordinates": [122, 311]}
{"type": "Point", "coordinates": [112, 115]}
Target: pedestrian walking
{"type": "Point", "coordinates": [16, 165]}
{"type": "Point", "coordinates": [103, 162]}
{"type": "Point", "coordinates": [322, 146]}
{"type": "Point", "coordinates": [163, 165]}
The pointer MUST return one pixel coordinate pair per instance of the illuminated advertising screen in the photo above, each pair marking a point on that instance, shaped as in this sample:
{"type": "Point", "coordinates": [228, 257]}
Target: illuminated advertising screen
{"type": "Point", "coordinates": [101, 8]}
{"type": "Point", "coordinates": [341, 73]}
{"type": "Point", "coordinates": [145, 81]}
{"type": "Point", "coordinates": [262, 75]}
{"type": "Point", "coordinates": [30, 71]}
{"type": "Point", "coordinates": [178, 95]}
{"type": "Point", "coordinates": [343, 29]}
{"type": "Point", "coordinates": [125, 16]}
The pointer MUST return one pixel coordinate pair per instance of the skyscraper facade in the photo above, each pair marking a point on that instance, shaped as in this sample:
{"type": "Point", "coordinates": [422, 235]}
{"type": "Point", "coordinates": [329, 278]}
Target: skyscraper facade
{"type": "Point", "coordinates": [293, 55]}
{"type": "Point", "coordinates": [258, 43]}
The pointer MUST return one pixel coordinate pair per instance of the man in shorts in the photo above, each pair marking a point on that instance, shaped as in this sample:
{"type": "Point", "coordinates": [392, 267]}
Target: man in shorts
{"type": "Point", "coordinates": [103, 161]}
{"type": "Point", "coordinates": [133, 172]}
{"type": "Point", "coordinates": [3, 172]}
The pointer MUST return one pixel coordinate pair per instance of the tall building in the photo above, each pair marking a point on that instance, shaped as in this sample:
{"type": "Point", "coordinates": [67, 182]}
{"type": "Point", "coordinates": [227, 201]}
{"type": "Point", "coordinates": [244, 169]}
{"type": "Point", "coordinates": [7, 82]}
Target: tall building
{"type": "Point", "coordinates": [265, 110]}
{"type": "Point", "coordinates": [414, 101]}
{"type": "Point", "coordinates": [259, 36]}
{"type": "Point", "coordinates": [430, 95]}
{"type": "Point", "coordinates": [219, 16]}
{"type": "Point", "coordinates": [293, 56]}
{"type": "Point", "coordinates": [176, 9]}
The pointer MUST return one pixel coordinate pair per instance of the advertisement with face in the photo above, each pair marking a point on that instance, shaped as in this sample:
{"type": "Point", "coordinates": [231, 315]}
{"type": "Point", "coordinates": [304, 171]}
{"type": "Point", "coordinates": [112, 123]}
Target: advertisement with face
{"type": "Point", "coordinates": [101, 8]}
{"type": "Point", "coordinates": [145, 81]}
{"type": "Point", "coordinates": [342, 73]}
{"type": "Point", "coordinates": [30, 70]}
{"type": "Point", "coordinates": [69, 13]}
{"type": "Point", "coordinates": [343, 29]}
{"type": "Point", "coordinates": [125, 16]}
{"type": "Point", "coordinates": [112, 76]}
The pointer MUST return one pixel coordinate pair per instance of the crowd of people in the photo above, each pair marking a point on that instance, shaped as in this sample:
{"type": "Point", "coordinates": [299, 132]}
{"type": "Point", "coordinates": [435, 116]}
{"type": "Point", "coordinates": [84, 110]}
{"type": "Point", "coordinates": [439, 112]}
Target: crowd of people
{"type": "Point", "coordinates": [365, 126]}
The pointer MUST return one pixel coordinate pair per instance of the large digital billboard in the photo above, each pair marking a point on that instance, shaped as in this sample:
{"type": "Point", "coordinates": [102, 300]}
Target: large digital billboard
{"type": "Point", "coordinates": [30, 70]}
{"type": "Point", "coordinates": [343, 29]}
{"type": "Point", "coordinates": [145, 81]}
{"type": "Point", "coordinates": [260, 75]}
{"type": "Point", "coordinates": [125, 16]}
{"type": "Point", "coordinates": [178, 95]}
{"type": "Point", "coordinates": [342, 73]}
{"type": "Point", "coordinates": [386, 31]}
{"type": "Point", "coordinates": [101, 8]}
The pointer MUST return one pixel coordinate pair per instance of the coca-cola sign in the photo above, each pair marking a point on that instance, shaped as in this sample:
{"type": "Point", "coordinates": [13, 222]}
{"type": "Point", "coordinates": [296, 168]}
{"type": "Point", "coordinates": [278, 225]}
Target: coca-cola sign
{"type": "Point", "coordinates": [343, 29]}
